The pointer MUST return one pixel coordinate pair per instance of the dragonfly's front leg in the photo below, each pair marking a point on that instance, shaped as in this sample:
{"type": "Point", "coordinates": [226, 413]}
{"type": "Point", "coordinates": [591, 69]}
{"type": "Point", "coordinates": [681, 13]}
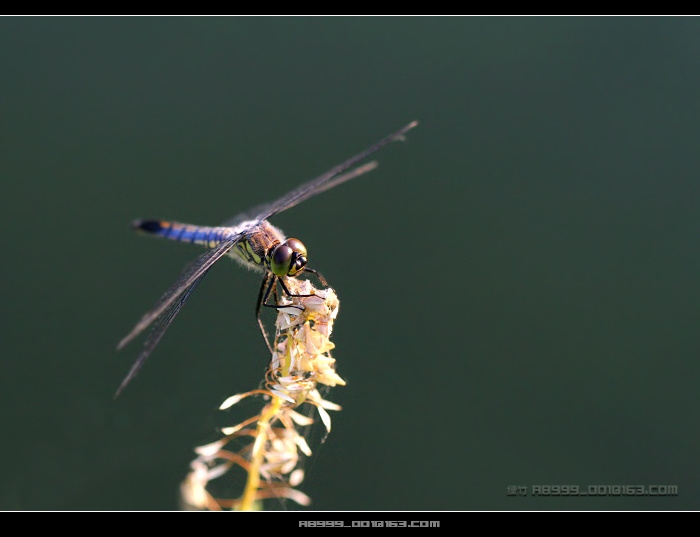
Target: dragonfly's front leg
{"type": "Point", "coordinates": [318, 275]}
{"type": "Point", "coordinates": [269, 281]}
{"type": "Point", "coordinates": [269, 286]}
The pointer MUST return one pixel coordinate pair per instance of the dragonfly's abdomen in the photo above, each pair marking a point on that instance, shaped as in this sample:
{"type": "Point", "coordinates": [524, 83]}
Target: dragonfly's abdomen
{"type": "Point", "coordinates": [175, 231]}
{"type": "Point", "coordinates": [256, 240]}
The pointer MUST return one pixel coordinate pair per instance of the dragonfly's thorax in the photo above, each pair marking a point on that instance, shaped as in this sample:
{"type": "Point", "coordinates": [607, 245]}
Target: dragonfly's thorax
{"type": "Point", "coordinates": [255, 248]}
{"type": "Point", "coordinates": [265, 247]}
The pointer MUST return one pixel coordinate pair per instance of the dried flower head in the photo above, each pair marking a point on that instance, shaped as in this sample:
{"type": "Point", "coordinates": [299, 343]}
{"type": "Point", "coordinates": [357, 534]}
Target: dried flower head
{"type": "Point", "coordinates": [274, 441]}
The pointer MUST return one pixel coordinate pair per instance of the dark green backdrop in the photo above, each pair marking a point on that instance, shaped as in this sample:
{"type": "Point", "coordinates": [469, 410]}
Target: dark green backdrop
{"type": "Point", "coordinates": [518, 280]}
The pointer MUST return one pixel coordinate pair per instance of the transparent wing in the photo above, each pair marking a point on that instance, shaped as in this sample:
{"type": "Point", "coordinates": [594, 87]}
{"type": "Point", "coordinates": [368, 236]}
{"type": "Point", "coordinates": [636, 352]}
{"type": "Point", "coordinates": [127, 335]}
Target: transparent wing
{"type": "Point", "coordinates": [254, 213]}
{"type": "Point", "coordinates": [161, 325]}
{"type": "Point", "coordinates": [250, 214]}
{"type": "Point", "coordinates": [198, 267]}
{"type": "Point", "coordinates": [168, 306]}
{"type": "Point", "coordinates": [329, 179]}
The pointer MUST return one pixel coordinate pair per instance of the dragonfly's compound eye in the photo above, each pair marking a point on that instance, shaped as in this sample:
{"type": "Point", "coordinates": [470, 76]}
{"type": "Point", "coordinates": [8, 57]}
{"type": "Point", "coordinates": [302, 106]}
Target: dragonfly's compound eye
{"type": "Point", "coordinates": [288, 258]}
{"type": "Point", "coordinates": [298, 264]}
{"type": "Point", "coordinates": [281, 260]}
{"type": "Point", "coordinates": [298, 259]}
{"type": "Point", "coordinates": [297, 246]}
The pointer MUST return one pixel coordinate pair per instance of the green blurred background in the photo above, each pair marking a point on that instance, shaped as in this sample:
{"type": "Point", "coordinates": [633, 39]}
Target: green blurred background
{"type": "Point", "coordinates": [518, 280]}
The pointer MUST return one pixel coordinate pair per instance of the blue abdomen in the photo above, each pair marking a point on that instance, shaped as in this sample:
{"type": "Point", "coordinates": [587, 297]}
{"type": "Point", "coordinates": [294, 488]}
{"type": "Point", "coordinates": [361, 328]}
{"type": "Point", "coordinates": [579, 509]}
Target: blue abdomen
{"type": "Point", "coordinates": [176, 231]}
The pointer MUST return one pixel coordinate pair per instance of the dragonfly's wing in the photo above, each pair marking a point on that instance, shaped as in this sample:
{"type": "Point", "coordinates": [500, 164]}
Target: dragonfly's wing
{"type": "Point", "coordinates": [161, 325]}
{"type": "Point", "coordinates": [249, 215]}
{"type": "Point", "coordinates": [253, 215]}
{"type": "Point", "coordinates": [172, 301]}
{"type": "Point", "coordinates": [198, 267]}
{"type": "Point", "coordinates": [330, 178]}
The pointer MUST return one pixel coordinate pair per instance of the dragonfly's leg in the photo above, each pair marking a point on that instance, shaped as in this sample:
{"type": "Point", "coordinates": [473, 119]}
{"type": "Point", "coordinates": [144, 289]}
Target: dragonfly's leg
{"type": "Point", "coordinates": [318, 275]}
{"type": "Point", "coordinates": [275, 294]}
{"type": "Point", "coordinates": [286, 292]}
{"type": "Point", "coordinates": [269, 285]}
{"type": "Point", "coordinates": [269, 281]}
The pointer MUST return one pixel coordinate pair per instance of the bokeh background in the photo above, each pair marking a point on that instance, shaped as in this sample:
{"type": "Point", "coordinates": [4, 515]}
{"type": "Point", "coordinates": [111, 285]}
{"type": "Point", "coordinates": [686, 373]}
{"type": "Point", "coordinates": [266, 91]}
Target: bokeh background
{"type": "Point", "coordinates": [518, 279]}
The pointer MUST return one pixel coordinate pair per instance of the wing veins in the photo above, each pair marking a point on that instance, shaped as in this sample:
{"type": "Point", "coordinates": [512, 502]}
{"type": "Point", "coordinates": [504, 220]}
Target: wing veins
{"type": "Point", "coordinates": [162, 324]}
{"type": "Point", "coordinates": [196, 270]}
{"type": "Point", "coordinates": [325, 181]}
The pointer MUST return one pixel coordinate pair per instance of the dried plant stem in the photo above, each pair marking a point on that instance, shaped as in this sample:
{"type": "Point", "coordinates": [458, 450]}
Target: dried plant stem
{"type": "Point", "coordinates": [271, 445]}
{"type": "Point", "coordinates": [258, 453]}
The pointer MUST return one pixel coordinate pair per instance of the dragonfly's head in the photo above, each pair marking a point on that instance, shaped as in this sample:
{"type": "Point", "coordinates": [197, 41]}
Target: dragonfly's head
{"type": "Point", "coordinates": [288, 258]}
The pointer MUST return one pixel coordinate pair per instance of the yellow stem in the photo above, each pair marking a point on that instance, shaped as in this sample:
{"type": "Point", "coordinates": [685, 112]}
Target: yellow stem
{"type": "Point", "coordinates": [256, 458]}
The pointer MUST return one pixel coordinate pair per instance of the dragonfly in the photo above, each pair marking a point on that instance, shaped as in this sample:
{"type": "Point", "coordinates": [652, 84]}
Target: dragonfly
{"type": "Point", "coordinates": [249, 239]}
